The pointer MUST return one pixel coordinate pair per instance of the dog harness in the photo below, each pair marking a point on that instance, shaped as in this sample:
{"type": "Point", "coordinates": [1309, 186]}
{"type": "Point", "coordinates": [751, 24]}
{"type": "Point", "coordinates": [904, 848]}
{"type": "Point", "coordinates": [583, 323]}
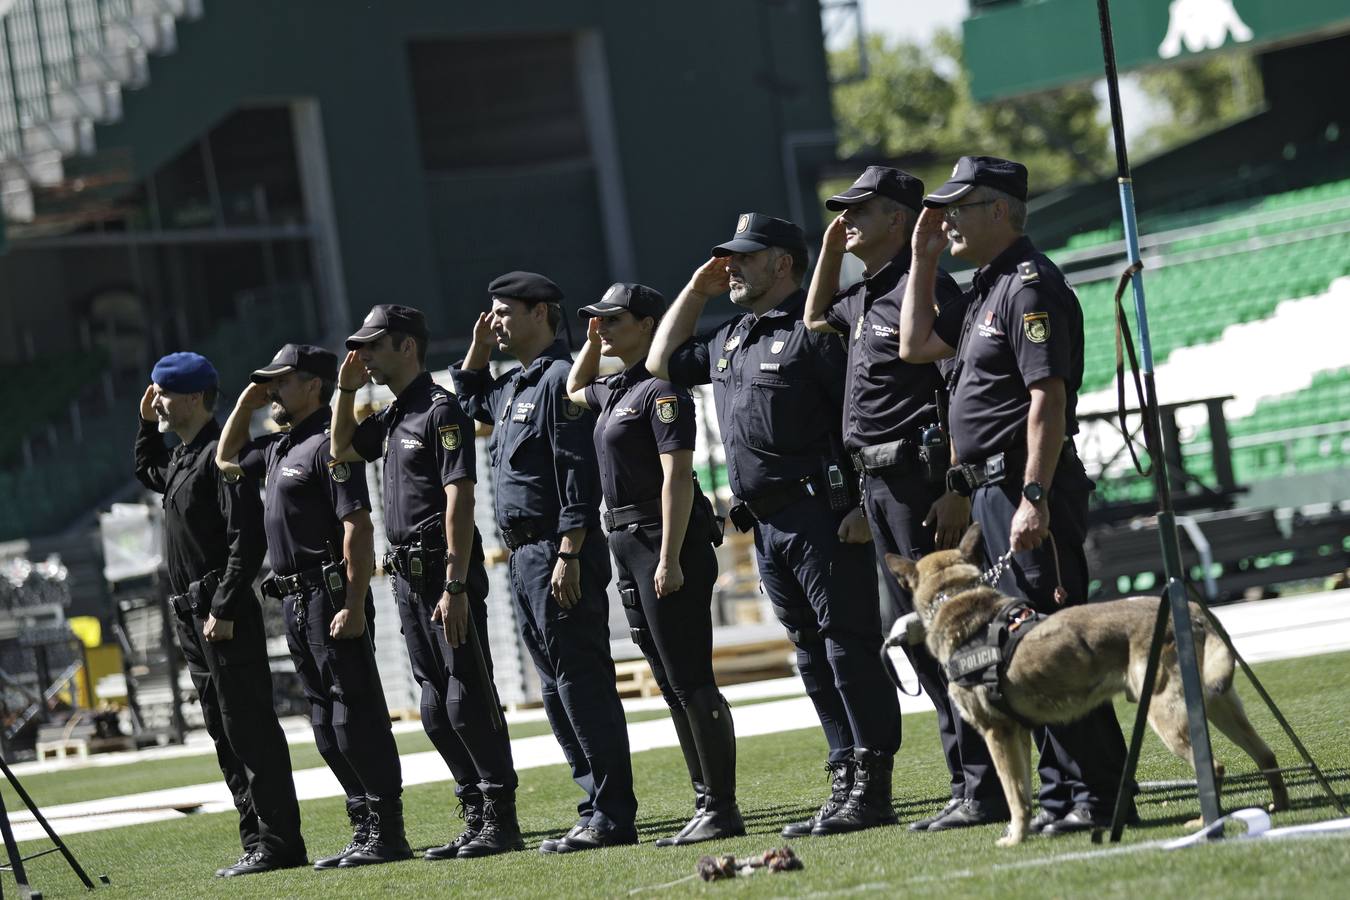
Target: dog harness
{"type": "Point", "coordinates": [982, 661]}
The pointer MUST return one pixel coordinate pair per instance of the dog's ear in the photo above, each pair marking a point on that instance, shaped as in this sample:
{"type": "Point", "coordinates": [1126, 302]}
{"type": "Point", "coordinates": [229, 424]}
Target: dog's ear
{"type": "Point", "coordinates": [970, 542]}
{"type": "Point", "coordinates": [904, 570]}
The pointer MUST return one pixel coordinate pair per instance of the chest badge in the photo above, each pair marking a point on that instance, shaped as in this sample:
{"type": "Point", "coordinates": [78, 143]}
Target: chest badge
{"type": "Point", "coordinates": [732, 343]}
{"type": "Point", "coordinates": [1036, 326]}
{"type": "Point", "coordinates": [571, 411]}
{"type": "Point", "coordinates": [857, 332]}
{"type": "Point", "coordinates": [667, 409]}
{"type": "Point", "coordinates": [232, 477]}
{"type": "Point", "coordinates": [340, 472]}
{"type": "Point", "coordinates": [450, 438]}
{"type": "Point", "coordinates": [722, 365]}
{"type": "Point", "coordinates": [777, 346]}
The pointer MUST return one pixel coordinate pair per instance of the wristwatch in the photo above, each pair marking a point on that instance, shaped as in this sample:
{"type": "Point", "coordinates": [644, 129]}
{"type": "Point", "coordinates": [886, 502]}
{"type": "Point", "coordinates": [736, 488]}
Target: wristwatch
{"type": "Point", "coordinates": [1033, 491]}
{"type": "Point", "coordinates": [455, 587]}
{"type": "Point", "coordinates": [569, 556]}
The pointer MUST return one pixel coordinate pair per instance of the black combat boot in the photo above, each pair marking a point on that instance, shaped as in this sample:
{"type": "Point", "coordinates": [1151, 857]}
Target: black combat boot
{"type": "Point", "coordinates": [358, 813]}
{"type": "Point", "coordinates": [387, 842]}
{"type": "Point", "coordinates": [500, 832]}
{"type": "Point", "coordinates": [679, 717]}
{"type": "Point", "coordinates": [841, 782]}
{"type": "Point", "coordinates": [471, 811]}
{"type": "Point", "coordinates": [715, 736]}
{"type": "Point", "coordinates": [869, 802]}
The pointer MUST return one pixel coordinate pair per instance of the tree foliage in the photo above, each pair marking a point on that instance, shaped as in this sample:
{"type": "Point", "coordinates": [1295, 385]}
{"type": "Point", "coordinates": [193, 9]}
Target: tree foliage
{"type": "Point", "coordinates": [1200, 97]}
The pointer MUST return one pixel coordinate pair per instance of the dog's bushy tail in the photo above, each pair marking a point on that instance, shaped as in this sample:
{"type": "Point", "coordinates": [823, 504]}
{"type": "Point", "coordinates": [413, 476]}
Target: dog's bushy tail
{"type": "Point", "coordinates": [1216, 670]}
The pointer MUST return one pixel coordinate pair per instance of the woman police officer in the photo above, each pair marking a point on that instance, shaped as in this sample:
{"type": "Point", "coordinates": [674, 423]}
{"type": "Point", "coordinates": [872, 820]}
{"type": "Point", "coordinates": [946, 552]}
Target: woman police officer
{"type": "Point", "coordinates": [661, 532]}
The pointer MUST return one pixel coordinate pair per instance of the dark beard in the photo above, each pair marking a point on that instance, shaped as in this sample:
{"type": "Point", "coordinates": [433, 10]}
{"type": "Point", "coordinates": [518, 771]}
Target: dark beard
{"type": "Point", "coordinates": [281, 416]}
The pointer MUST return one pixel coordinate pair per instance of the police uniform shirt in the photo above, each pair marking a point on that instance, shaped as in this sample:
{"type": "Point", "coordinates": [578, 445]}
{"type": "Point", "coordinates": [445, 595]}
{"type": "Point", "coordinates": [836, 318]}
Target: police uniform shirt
{"type": "Point", "coordinates": [888, 398]}
{"type": "Point", "coordinates": [1022, 324]}
{"type": "Point", "coordinates": [640, 417]}
{"type": "Point", "coordinates": [542, 456]}
{"type": "Point", "coordinates": [427, 442]}
{"type": "Point", "coordinates": [306, 493]}
{"type": "Point", "coordinates": [210, 522]}
{"type": "Point", "coordinates": [779, 390]}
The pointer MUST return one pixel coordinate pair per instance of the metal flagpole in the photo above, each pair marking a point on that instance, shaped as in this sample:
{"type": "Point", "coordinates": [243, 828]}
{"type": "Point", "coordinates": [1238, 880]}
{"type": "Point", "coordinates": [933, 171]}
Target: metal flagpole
{"type": "Point", "coordinates": [1167, 527]}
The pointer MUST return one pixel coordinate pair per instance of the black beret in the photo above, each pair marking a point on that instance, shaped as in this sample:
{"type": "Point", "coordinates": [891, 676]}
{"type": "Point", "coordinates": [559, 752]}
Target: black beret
{"type": "Point", "coordinates": [528, 287]}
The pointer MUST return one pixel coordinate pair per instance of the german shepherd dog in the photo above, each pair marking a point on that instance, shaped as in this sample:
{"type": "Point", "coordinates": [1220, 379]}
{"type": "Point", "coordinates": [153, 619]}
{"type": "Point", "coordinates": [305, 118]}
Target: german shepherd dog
{"type": "Point", "coordinates": [1065, 666]}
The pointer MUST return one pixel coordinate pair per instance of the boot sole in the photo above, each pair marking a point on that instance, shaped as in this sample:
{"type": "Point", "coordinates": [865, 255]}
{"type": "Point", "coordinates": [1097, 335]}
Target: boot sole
{"type": "Point", "coordinates": [494, 852]}
{"type": "Point", "coordinates": [818, 831]}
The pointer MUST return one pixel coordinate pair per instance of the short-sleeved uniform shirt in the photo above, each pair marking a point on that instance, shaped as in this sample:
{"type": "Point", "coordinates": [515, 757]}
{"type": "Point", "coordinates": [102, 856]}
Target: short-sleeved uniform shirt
{"type": "Point", "coordinates": [640, 417]}
{"type": "Point", "coordinates": [779, 392]}
{"type": "Point", "coordinates": [1022, 323]}
{"type": "Point", "coordinates": [543, 460]}
{"type": "Point", "coordinates": [887, 399]}
{"type": "Point", "coordinates": [306, 494]}
{"type": "Point", "coordinates": [427, 443]}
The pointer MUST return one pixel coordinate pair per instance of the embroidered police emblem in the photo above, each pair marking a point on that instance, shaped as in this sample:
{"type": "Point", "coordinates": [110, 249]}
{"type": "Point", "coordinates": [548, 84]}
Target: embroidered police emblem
{"type": "Point", "coordinates": [1036, 326]}
{"type": "Point", "coordinates": [449, 436]}
{"type": "Point", "coordinates": [571, 411]}
{"type": "Point", "coordinates": [743, 223]}
{"type": "Point", "coordinates": [732, 343]}
{"type": "Point", "coordinates": [667, 409]}
{"type": "Point", "coordinates": [777, 347]}
{"type": "Point", "coordinates": [956, 168]}
{"type": "Point", "coordinates": [339, 471]}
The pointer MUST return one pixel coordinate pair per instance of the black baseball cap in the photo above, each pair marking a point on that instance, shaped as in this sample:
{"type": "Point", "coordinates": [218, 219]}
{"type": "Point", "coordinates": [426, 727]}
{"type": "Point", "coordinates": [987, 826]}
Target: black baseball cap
{"type": "Point", "coordinates": [883, 181]}
{"type": "Point", "coordinates": [389, 317]}
{"type": "Point", "coordinates": [306, 358]}
{"type": "Point", "coordinates": [971, 172]}
{"type": "Point", "coordinates": [756, 231]}
{"type": "Point", "coordinates": [638, 299]}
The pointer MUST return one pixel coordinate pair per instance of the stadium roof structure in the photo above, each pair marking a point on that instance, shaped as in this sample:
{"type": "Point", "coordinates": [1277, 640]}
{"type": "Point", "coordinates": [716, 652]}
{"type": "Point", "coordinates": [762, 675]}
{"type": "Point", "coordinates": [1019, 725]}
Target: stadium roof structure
{"type": "Point", "coordinates": [1023, 46]}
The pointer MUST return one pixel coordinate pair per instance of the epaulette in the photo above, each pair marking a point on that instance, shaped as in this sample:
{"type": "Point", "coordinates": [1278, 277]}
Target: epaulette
{"type": "Point", "coordinates": [1029, 272]}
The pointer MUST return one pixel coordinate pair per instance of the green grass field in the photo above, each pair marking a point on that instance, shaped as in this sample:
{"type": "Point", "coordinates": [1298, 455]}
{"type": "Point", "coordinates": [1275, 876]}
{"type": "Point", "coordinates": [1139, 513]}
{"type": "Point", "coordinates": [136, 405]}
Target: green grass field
{"type": "Point", "coordinates": [781, 779]}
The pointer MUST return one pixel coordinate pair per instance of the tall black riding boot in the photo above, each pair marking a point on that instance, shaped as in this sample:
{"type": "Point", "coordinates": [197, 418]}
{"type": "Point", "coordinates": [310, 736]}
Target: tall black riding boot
{"type": "Point", "coordinates": [715, 736]}
{"type": "Point", "coordinates": [841, 783]}
{"type": "Point", "coordinates": [679, 717]}
{"type": "Point", "coordinates": [471, 811]}
{"type": "Point", "coordinates": [358, 814]}
{"type": "Point", "coordinates": [387, 841]}
{"type": "Point", "coordinates": [500, 832]}
{"type": "Point", "coordinates": [869, 802]}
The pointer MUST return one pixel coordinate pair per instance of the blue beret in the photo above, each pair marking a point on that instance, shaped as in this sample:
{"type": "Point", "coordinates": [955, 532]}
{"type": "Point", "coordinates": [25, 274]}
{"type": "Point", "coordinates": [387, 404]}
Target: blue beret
{"type": "Point", "coordinates": [184, 373]}
{"type": "Point", "coordinates": [528, 287]}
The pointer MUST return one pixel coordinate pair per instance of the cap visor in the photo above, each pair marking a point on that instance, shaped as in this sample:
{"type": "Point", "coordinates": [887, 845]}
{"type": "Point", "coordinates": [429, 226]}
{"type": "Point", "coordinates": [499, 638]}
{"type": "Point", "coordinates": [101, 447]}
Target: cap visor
{"type": "Point", "coordinates": [603, 310]}
{"type": "Point", "coordinates": [364, 336]}
{"type": "Point", "coordinates": [948, 193]}
{"type": "Point", "coordinates": [850, 197]}
{"type": "Point", "coordinates": [261, 375]}
{"type": "Point", "coordinates": [739, 245]}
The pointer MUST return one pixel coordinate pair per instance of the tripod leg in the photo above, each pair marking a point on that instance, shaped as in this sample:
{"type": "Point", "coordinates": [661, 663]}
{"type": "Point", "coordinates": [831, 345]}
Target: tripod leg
{"type": "Point", "coordinates": [1140, 721]}
{"type": "Point", "coordinates": [15, 857]}
{"type": "Point", "coordinates": [42, 820]}
{"type": "Point", "coordinates": [1274, 710]}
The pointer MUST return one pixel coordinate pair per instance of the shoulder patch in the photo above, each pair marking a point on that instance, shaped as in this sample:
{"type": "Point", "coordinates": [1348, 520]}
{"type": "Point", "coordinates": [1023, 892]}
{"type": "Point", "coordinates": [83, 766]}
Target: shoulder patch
{"type": "Point", "coordinates": [571, 411]}
{"type": "Point", "coordinates": [439, 396]}
{"type": "Point", "coordinates": [667, 409]}
{"type": "Point", "coordinates": [450, 437]}
{"type": "Point", "coordinates": [1036, 326]}
{"type": "Point", "coordinates": [232, 476]}
{"type": "Point", "coordinates": [1029, 272]}
{"type": "Point", "coordinates": [339, 471]}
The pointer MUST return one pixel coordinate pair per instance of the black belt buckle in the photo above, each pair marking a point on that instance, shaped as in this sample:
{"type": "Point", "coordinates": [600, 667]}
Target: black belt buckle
{"type": "Point", "coordinates": [995, 467]}
{"type": "Point", "coordinates": [741, 517]}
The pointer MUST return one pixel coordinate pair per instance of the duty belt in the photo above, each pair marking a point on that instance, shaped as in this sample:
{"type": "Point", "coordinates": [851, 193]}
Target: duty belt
{"type": "Point", "coordinates": [965, 478]}
{"type": "Point", "coordinates": [282, 586]}
{"type": "Point", "coordinates": [396, 559]}
{"type": "Point", "coordinates": [524, 531]}
{"type": "Point", "coordinates": [780, 497]}
{"type": "Point", "coordinates": [879, 457]}
{"type": "Point", "coordinates": [645, 513]}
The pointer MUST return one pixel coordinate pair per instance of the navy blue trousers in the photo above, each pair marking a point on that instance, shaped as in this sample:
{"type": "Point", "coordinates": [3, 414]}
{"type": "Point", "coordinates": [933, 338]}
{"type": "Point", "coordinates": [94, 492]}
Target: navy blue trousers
{"type": "Point", "coordinates": [825, 593]}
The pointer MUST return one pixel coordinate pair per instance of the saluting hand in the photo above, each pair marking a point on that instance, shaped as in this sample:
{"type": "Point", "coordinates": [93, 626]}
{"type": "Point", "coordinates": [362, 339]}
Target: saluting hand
{"type": "Point", "coordinates": [353, 374]}
{"type": "Point", "coordinates": [593, 330]}
{"type": "Point", "coordinates": [948, 517]}
{"type": "Point", "coordinates": [929, 237]}
{"type": "Point", "coordinates": [669, 577]}
{"type": "Point", "coordinates": [452, 612]}
{"type": "Point", "coordinates": [482, 328]}
{"type": "Point", "coordinates": [711, 278]}
{"type": "Point", "coordinates": [217, 630]}
{"type": "Point", "coordinates": [148, 405]}
{"type": "Point", "coordinates": [836, 237]}
{"type": "Point", "coordinates": [255, 396]}
{"type": "Point", "coordinates": [348, 624]}
{"type": "Point", "coordinates": [854, 529]}
{"type": "Point", "coordinates": [566, 582]}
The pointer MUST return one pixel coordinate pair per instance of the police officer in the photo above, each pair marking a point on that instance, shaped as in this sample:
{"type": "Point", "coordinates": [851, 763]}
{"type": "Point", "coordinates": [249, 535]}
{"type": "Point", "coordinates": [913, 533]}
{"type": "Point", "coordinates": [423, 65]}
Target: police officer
{"type": "Point", "coordinates": [893, 434]}
{"type": "Point", "coordinates": [662, 531]}
{"type": "Point", "coordinates": [779, 392]}
{"type": "Point", "coordinates": [1018, 347]}
{"type": "Point", "coordinates": [320, 542]}
{"type": "Point", "coordinates": [547, 508]}
{"type": "Point", "coordinates": [436, 556]}
{"type": "Point", "coordinates": [214, 547]}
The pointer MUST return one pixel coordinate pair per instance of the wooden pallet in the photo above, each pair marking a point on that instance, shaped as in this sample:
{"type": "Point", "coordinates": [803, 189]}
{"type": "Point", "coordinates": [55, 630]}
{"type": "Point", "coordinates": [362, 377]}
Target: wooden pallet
{"type": "Point", "coordinates": [633, 678]}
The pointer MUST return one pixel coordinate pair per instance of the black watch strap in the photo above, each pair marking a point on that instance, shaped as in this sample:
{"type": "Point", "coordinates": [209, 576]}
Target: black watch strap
{"type": "Point", "coordinates": [568, 556]}
{"type": "Point", "coordinates": [455, 587]}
